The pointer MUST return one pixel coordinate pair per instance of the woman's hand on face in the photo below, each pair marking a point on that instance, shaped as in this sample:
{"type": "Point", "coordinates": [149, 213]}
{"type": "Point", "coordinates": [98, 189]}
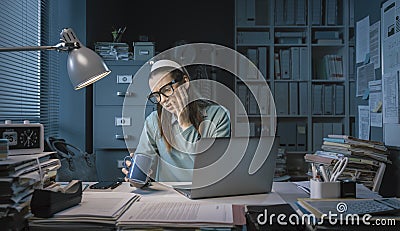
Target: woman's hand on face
{"type": "Point", "coordinates": [179, 101]}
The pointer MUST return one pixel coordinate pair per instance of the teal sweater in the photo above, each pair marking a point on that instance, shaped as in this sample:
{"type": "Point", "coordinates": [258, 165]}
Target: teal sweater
{"type": "Point", "coordinates": [177, 165]}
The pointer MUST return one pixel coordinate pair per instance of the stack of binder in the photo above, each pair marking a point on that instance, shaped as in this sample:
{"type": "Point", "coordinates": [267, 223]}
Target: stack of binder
{"type": "Point", "coordinates": [367, 159]}
{"type": "Point", "coordinates": [19, 176]}
{"type": "Point", "coordinates": [113, 51]}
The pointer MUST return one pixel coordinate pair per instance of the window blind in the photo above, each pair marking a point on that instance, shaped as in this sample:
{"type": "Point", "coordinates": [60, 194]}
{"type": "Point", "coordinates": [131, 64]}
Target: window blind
{"type": "Point", "coordinates": [28, 90]}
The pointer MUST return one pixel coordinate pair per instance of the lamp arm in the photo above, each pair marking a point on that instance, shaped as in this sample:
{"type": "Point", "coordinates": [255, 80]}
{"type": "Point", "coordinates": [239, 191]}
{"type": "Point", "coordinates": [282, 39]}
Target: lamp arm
{"type": "Point", "coordinates": [59, 47]}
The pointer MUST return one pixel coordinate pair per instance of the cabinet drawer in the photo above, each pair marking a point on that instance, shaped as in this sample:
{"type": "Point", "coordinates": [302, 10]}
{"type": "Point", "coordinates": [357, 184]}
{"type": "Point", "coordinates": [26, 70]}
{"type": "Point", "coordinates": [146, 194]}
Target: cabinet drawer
{"type": "Point", "coordinates": [108, 126]}
{"type": "Point", "coordinates": [107, 164]}
{"type": "Point", "coordinates": [113, 89]}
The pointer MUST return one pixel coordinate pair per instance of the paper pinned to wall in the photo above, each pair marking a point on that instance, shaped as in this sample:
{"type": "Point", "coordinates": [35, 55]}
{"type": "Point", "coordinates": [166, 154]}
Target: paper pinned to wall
{"type": "Point", "coordinates": [375, 44]}
{"type": "Point", "coordinates": [363, 122]}
{"type": "Point", "coordinates": [365, 74]}
{"type": "Point", "coordinates": [375, 102]}
{"type": "Point", "coordinates": [390, 17]}
{"type": "Point", "coordinates": [362, 39]}
{"type": "Point", "coordinates": [390, 89]}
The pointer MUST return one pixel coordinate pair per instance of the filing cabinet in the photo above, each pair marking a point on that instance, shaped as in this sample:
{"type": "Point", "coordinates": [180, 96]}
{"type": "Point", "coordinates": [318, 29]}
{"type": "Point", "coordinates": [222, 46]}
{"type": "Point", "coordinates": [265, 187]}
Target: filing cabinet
{"type": "Point", "coordinates": [109, 95]}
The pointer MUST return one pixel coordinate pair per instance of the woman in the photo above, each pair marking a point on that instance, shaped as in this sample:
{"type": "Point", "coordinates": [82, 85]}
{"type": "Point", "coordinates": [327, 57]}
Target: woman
{"type": "Point", "coordinates": [180, 120]}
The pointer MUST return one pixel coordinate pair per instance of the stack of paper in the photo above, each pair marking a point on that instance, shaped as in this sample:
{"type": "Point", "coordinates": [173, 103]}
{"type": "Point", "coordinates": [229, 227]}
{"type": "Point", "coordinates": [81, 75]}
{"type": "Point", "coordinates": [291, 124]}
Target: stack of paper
{"type": "Point", "coordinates": [176, 214]}
{"type": "Point", "coordinates": [113, 51]}
{"type": "Point", "coordinates": [96, 209]}
{"type": "Point", "coordinates": [367, 159]}
{"type": "Point", "coordinates": [19, 175]}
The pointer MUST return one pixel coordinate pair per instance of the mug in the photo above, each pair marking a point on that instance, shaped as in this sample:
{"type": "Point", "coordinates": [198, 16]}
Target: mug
{"type": "Point", "coordinates": [139, 171]}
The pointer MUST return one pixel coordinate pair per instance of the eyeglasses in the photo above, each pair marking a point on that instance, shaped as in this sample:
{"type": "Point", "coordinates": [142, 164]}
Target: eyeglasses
{"type": "Point", "coordinates": [166, 90]}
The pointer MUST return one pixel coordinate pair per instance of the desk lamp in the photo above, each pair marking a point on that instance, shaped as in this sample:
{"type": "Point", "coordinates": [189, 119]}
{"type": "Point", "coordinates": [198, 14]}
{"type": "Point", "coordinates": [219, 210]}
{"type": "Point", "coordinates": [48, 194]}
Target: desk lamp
{"type": "Point", "coordinates": [84, 65]}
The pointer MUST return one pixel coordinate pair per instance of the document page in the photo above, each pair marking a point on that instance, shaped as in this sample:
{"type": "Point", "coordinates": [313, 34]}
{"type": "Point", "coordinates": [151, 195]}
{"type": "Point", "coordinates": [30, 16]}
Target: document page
{"type": "Point", "coordinates": [178, 212]}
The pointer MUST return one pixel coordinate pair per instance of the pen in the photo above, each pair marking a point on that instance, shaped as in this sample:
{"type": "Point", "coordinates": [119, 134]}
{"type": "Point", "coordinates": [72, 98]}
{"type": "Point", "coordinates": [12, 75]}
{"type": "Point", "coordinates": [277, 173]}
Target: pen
{"type": "Point", "coordinates": [314, 171]}
{"type": "Point", "coordinates": [323, 173]}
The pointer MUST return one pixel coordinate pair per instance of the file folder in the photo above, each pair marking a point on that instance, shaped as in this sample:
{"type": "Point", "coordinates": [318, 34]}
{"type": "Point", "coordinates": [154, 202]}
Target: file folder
{"type": "Point", "coordinates": [328, 100]}
{"type": "Point", "coordinates": [316, 12]}
{"type": "Point", "coordinates": [317, 99]}
{"type": "Point", "coordinates": [327, 129]}
{"type": "Point", "coordinates": [262, 61]}
{"type": "Point", "coordinates": [331, 12]}
{"type": "Point", "coordinates": [250, 12]}
{"type": "Point", "coordinates": [295, 63]}
{"type": "Point", "coordinates": [339, 99]}
{"type": "Point", "coordinates": [317, 136]}
{"type": "Point", "coordinates": [242, 95]}
{"type": "Point", "coordinates": [264, 99]}
{"type": "Point", "coordinates": [301, 139]}
{"type": "Point", "coordinates": [253, 107]}
{"type": "Point", "coordinates": [293, 97]}
{"type": "Point", "coordinates": [281, 98]}
{"type": "Point", "coordinates": [284, 56]}
{"type": "Point", "coordinates": [241, 19]}
{"type": "Point", "coordinates": [279, 12]}
{"type": "Point", "coordinates": [304, 67]}
{"type": "Point", "coordinates": [352, 99]}
{"type": "Point", "coordinates": [262, 13]}
{"type": "Point", "coordinates": [290, 9]}
{"type": "Point", "coordinates": [301, 12]}
{"type": "Point", "coordinates": [291, 136]}
{"type": "Point", "coordinates": [303, 98]}
{"type": "Point", "coordinates": [252, 71]}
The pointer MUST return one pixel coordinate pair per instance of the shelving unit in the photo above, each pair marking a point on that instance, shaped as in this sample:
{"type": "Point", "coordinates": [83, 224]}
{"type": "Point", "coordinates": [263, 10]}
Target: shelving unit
{"type": "Point", "coordinates": [305, 50]}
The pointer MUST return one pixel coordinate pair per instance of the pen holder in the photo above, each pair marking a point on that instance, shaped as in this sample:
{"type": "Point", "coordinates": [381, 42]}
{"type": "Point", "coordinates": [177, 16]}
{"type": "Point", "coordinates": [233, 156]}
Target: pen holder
{"type": "Point", "coordinates": [321, 190]}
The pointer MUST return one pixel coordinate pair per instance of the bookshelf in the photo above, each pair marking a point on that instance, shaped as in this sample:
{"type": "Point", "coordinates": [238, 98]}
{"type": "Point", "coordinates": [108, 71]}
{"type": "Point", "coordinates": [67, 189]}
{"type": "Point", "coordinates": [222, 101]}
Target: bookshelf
{"type": "Point", "coordinates": [305, 50]}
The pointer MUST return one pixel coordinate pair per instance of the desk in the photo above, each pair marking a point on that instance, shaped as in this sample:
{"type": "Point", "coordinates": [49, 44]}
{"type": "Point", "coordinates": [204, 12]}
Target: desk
{"type": "Point", "coordinates": [282, 192]}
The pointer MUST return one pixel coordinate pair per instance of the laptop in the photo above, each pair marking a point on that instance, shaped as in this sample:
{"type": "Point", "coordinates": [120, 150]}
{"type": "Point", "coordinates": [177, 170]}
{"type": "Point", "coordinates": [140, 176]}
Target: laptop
{"type": "Point", "coordinates": [225, 167]}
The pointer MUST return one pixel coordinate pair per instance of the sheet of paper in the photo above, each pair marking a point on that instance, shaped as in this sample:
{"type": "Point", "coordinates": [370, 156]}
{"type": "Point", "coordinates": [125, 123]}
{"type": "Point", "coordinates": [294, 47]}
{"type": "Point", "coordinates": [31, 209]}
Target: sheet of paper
{"type": "Point", "coordinates": [365, 74]}
{"type": "Point", "coordinates": [390, 16]}
{"type": "Point", "coordinates": [178, 212]}
{"type": "Point", "coordinates": [363, 122]}
{"type": "Point", "coordinates": [390, 89]}
{"type": "Point", "coordinates": [362, 42]}
{"type": "Point", "coordinates": [375, 102]}
{"type": "Point", "coordinates": [375, 44]}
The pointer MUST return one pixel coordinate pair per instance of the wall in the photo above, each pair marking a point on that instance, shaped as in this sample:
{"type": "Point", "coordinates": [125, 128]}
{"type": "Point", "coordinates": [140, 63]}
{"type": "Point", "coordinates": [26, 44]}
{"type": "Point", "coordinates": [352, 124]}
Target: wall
{"type": "Point", "coordinates": [71, 13]}
{"type": "Point", "coordinates": [391, 180]}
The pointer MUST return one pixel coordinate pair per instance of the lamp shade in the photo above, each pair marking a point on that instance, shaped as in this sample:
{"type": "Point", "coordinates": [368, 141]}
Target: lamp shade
{"type": "Point", "coordinates": [85, 67]}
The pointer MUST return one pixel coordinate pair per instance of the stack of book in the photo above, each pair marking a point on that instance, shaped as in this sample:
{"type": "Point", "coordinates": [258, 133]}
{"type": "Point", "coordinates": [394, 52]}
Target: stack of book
{"type": "Point", "coordinates": [19, 176]}
{"type": "Point", "coordinates": [367, 159]}
{"type": "Point", "coordinates": [113, 51]}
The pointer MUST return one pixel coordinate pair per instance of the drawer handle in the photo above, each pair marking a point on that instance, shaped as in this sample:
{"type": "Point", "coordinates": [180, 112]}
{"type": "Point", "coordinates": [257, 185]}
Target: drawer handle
{"type": "Point", "coordinates": [121, 93]}
{"type": "Point", "coordinates": [122, 137]}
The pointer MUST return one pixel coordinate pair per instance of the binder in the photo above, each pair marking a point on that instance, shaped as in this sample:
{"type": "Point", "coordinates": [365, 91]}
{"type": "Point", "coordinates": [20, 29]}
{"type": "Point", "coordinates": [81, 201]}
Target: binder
{"type": "Point", "coordinates": [242, 95]}
{"type": "Point", "coordinates": [252, 100]}
{"type": "Point", "coordinates": [303, 98]}
{"type": "Point", "coordinates": [250, 12]}
{"type": "Point", "coordinates": [280, 130]}
{"type": "Point", "coordinates": [328, 100]}
{"type": "Point", "coordinates": [264, 99]}
{"type": "Point", "coordinates": [351, 61]}
{"type": "Point", "coordinates": [339, 99]}
{"type": "Point", "coordinates": [351, 12]}
{"type": "Point", "coordinates": [294, 63]}
{"type": "Point", "coordinates": [290, 9]}
{"type": "Point", "coordinates": [293, 97]}
{"type": "Point", "coordinates": [352, 99]}
{"type": "Point", "coordinates": [331, 12]}
{"type": "Point", "coordinates": [317, 99]}
{"type": "Point", "coordinates": [253, 57]}
{"type": "Point", "coordinates": [291, 136]}
{"type": "Point", "coordinates": [241, 19]}
{"type": "Point", "coordinates": [337, 128]}
{"type": "Point", "coordinates": [301, 12]}
{"type": "Point", "coordinates": [262, 61]}
{"type": "Point", "coordinates": [316, 12]}
{"type": "Point", "coordinates": [261, 13]}
{"type": "Point", "coordinates": [281, 98]}
{"type": "Point", "coordinates": [252, 37]}
{"type": "Point", "coordinates": [304, 66]}
{"type": "Point", "coordinates": [301, 138]}
{"type": "Point", "coordinates": [279, 12]}
{"type": "Point", "coordinates": [277, 66]}
{"type": "Point", "coordinates": [317, 136]}
{"type": "Point", "coordinates": [284, 56]}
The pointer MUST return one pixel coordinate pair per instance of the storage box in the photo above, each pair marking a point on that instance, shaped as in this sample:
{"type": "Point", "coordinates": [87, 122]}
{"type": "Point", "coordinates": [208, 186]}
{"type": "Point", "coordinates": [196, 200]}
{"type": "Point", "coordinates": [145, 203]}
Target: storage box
{"type": "Point", "coordinates": [143, 50]}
